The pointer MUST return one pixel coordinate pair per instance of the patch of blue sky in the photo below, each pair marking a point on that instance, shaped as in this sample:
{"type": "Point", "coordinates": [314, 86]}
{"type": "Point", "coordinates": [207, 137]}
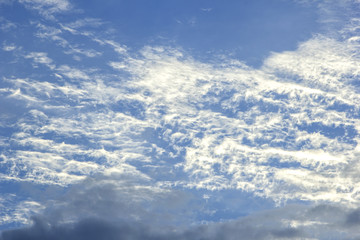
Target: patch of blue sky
{"type": "Point", "coordinates": [246, 30]}
{"type": "Point", "coordinates": [225, 205]}
{"type": "Point", "coordinates": [341, 132]}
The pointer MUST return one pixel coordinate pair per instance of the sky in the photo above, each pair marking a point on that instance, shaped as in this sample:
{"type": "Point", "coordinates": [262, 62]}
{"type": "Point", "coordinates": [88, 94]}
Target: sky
{"type": "Point", "coordinates": [172, 119]}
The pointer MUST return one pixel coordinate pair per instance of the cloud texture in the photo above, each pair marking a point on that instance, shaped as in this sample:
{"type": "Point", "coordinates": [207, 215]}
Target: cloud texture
{"type": "Point", "coordinates": [134, 136]}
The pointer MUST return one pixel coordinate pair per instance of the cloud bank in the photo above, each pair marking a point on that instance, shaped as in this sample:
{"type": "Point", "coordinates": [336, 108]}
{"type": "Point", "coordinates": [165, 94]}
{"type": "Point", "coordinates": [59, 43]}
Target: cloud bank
{"type": "Point", "coordinates": [290, 222]}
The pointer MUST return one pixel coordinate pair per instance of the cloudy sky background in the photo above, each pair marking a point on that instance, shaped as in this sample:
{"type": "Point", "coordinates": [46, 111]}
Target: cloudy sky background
{"type": "Point", "coordinates": [179, 119]}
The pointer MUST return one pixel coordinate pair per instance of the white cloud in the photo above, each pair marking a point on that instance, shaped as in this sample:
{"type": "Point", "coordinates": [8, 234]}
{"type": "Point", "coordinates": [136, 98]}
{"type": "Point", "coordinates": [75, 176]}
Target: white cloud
{"type": "Point", "coordinates": [42, 58]}
{"type": "Point", "coordinates": [48, 8]}
{"type": "Point", "coordinates": [116, 46]}
{"type": "Point", "coordinates": [72, 73]}
{"type": "Point", "coordinates": [9, 48]}
{"type": "Point", "coordinates": [54, 34]}
{"type": "Point", "coordinates": [231, 126]}
{"type": "Point", "coordinates": [286, 131]}
{"type": "Point", "coordinates": [20, 211]}
{"type": "Point", "coordinates": [92, 22]}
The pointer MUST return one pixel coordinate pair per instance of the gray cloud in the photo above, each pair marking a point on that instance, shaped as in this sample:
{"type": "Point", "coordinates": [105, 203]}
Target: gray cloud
{"type": "Point", "coordinates": [123, 207]}
{"type": "Point", "coordinates": [266, 225]}
{"type": "Point", "coordinates": [86, 229]}
{"type": "Point", "coordinates": [353, 218]}
{"type": "Point", "coordinates": [94, 229]}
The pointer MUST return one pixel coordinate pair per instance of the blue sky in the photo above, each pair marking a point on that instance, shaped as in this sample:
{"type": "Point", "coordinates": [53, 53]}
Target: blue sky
{"type": "Point", "coordinates": [179, 119]}
{"type": "Point", "coordinates": [248, 30]}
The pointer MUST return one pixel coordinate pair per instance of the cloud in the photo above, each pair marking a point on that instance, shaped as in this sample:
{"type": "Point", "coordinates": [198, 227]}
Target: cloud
{"type": "Point", "coordinates": [291, 222]}
{"type": "Point", "coordinates": [7, 25]}
{"type": "Point", "coordinates": [224, 126]}
{"type": "Point", "coordinates": [42, 58]}
{"type": "Point", "coordinates": [86, 229]}
{"type": "Point", "coordinates": [96, 229]}
{"type": "Point", "coordinates": [72, 73]}
{"type": "Point", "coordinates": [13, 209]}
{"type": "Point", "coordinates": [55, 34]}
{"type": "Point", "coordinates": [287, 132]}
{"type": "Point", "coordinates": [48, 8]}
{"type": "Point", "coordinates": [111, 198]}
{"type": "Point", "coordinates": [86, 22]}
{"type": "Point", "coordinates": [9, 48]}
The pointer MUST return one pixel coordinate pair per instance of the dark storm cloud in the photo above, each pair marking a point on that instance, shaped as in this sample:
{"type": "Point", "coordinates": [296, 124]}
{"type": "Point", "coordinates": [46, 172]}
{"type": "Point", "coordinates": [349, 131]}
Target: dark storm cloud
{"type": "Point", "coordinates": [95, 229]}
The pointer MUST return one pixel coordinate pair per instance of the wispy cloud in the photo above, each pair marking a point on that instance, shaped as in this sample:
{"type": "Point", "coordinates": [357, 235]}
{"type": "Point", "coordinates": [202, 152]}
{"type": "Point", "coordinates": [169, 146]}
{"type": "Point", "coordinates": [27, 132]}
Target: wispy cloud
{"type": "Point", "coordinates": [48, 8]}
{"type": "Point", "coordinates": [6, 25]}
{"type": "Point", "coordinates": [206, 9]}
{"type": "Point", "coordinates": [55, 34]}
{"type": "Point", "coordinates": [72, 73]}
{"type": "Point", "coordinates": [229, 126]}
{"type": "Point", "coordinates": [9, 48]}
{"type": "Point", "coordinates": [86, 22]}
{"type": "Point", "coordinates": [42, 58]}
